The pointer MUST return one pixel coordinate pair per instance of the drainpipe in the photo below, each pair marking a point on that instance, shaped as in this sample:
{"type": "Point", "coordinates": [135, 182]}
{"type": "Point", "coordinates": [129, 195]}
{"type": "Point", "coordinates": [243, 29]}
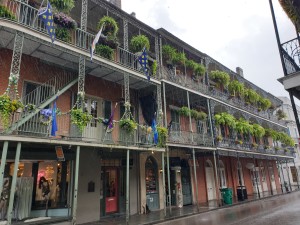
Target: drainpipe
{"type": "Point", "coordinates": [2, 166]}
{"type": "Point", "coordinates": [13, 184]}
{"type": "Point", "coordinates": [255, 175]}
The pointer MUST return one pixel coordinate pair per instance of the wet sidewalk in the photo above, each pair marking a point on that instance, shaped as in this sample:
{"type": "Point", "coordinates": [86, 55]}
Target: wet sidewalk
{"type": "Point", "coordinates": [155, 217]}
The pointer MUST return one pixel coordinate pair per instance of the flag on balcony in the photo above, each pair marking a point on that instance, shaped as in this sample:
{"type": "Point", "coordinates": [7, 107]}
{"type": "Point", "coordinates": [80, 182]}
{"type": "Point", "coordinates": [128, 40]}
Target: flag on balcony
{"type": "Point", "coordinates": [46, 16]}
{"type": "Point", "coordinates": [143, 60]}
{"type": "Point", "coordinates": [95, 41]}
{"type": "Point", "coordinates": [54, 124]}
{"type": "Point", "coordinates": [155, 133]}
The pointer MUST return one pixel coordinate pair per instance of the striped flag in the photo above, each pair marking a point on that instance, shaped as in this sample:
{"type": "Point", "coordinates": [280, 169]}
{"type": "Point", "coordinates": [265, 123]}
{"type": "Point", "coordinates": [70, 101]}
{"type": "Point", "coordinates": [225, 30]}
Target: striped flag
{"type": "Point", "coordinates": [93, 46]}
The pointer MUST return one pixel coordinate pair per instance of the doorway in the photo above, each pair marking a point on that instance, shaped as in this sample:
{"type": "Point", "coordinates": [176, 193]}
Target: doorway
{"type": "Point", "coordinates": [186, 183]}
{"type": "Point", "coordinates": [93, 128]}
{"type": "Point", "coordinates": [263, 177]}
{"type": "Point", "coordinates": [210, 181]}
{"type": "Point", "coordinates": [110, 187]}
{"type": "Point", "coordinates": [151, 180]}
{"type": "Point", "coordinates": [255, 177]}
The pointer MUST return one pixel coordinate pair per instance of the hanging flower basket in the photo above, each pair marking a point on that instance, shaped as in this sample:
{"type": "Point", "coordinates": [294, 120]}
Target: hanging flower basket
{"type": "Point", "coordinates": [45, 116]}
{"type": "Point", "coordinates": [128, 125]}
{"type": "Point", "coordinates": [64, 21]}
{"type": "Point", "coordinates": [162, 136]}
{"type": "Point", "coordinates": [80, 118]}
{"type": "Point", "coordinates": [7, 108]}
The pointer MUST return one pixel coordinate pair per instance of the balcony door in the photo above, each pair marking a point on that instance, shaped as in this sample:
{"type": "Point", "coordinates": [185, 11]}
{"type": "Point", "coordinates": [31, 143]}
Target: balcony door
{"type": "Point", "coordinates": [255, 177]}
{"type": "Point", "coordinates": [210, 181]}
{"type": "Point", "coordinates": [93, 130]}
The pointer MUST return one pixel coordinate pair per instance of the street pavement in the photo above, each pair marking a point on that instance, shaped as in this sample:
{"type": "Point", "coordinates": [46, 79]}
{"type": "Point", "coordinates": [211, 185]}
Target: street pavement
{"type": "Point", "coordinates": [278, 210]}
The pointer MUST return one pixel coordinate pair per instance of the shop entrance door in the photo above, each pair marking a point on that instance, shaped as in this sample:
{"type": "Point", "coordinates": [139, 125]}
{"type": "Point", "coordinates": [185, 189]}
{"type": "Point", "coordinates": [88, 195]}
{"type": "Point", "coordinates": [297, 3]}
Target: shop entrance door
{"type": "Point", "coordinates": [111, 190]}
{"type": "Point", "coordinates": [272, 178]}
{"type": "Point", "coordinates": [186, 183]}
{"type": "Point", "coordinates": [263, 178]}
{"type": "Point", "coordinates": [210, 181]}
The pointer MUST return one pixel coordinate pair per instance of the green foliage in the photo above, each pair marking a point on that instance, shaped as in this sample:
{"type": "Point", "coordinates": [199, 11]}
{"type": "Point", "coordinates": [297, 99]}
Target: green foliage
{"type": "Point", "coordinates": [110, 28]}
{"type": "Point", "coordinates": [258, 131]}
{"type": "Point", "coordinates": [128, 125]}
{"type": "Point", "coordinates": [200, 70]}
{"type": "Point", "coordinates": [168, 53]}
{"type": "Point", "coordinates": [221, 78]}
{"type": "Point", "coordinates": [137, 43]}
{"type": "Point", "coordinates": [105, 51]}
{"type": "Point", "coordinates": [243, 127]}
{"type": "Point", "coordinates": [80, 118]}
{"type": "Point", "coordinates": [236, 87]}
{"type": "Point", "coordinates": [63, 34]}
{"type": "Point", "coordinates": [179, 58]}
{"type": "Point", "coordinates": [280, 114]}
{"type": "Point", "coordinates": [280, 136]}
{"type": "Point", "coordinates": [198, 115]}
{"type": "Point", "coordinates": [225, 119]}
{"type": "Point", "coordinates": [162, 136]}
{"type": "Point", "coordinates": [154, 67]}
{"type": "Point", "coordinates": [264, 103]}
{"type": "Point", "coordinates": [219, 138]}
{"type": "Point", "coordinates": [7, 108]}
{"type": "Point", "coordinates": [63, 5]}
{"type": "Point", "coordinates": [184, 111]}
{"type": "Point", "coordinates": [251, 96]}
{"type": "Point", "coordinates": [4, 12]}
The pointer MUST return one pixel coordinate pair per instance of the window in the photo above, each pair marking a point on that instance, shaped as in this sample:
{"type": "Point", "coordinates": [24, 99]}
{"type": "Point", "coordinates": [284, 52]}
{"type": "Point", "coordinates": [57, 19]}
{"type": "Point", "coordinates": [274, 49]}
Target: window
{"type": "Point", "coordinates": [240, 173]}
{"type": "Point", "coordinates": [107, 109]}
{"type": "Point", "coordinates": [294, 173]}
{"type": "Point", "coordinates": [222, 175]}
{"type": "Point", "coordinates": [175, 121]}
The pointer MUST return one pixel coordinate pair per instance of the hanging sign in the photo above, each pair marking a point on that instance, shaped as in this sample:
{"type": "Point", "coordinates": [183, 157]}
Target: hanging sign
{"type": "Point", "coordinates": [60, 153]}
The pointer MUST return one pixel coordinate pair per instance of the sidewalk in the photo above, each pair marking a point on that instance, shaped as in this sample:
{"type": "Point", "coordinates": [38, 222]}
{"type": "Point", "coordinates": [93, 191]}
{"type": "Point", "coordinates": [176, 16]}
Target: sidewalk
{"type": "Point", "coordinates": [158, 216]}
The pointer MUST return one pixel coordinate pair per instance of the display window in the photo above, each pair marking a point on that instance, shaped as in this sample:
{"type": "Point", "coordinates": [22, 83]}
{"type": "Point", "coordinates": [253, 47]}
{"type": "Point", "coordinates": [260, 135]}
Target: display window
{"type": "Point", "coordinates": [40, 185]}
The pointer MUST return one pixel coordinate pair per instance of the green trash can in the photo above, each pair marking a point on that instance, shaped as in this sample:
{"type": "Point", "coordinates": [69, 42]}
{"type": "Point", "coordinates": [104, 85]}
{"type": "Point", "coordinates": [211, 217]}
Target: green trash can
{"type": "Point", "coordinates": [227, 195]}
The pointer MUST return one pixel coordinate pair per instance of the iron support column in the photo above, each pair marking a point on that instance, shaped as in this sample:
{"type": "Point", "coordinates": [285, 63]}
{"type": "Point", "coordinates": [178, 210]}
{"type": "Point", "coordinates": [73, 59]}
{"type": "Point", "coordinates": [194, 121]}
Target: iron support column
{"type": "Point", "coordinates": [269, 177]}
{"type": "Point", "coordinates": [13, 184]}
{"type": "Point", "coordinates": [3, 161]}
{"type": "Point", "coordinates": [127, 187]}
{"type": "Point", "coordinates": [125, 35]}
{"type": "Point", "coordinates": [169, 185]}
{"type": "Point", "coordinates": [165, 104]}
{"type": "Point", "coordinates": [196, 180]}
{"type": "Point", "coordinates": [163, 181]}
{"type": "Point", "coordinates": [74, 214]}
{"type": "Point", "coordinates": [256, 178]}
{"type": "Point", "coordinates": [210, 122]}
{"type": "Point", "coordinates": [217, 174]}
{"type": "Point", "coordinates": [159, 106]}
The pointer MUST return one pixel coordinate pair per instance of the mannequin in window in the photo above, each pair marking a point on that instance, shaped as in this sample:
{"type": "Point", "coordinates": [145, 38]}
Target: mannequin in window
{"type": "Point", "coordinates": [44, 185]}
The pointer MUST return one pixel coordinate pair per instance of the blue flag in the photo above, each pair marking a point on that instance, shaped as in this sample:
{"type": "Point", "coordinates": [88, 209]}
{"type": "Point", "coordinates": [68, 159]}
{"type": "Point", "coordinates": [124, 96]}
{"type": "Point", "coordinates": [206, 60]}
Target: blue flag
{"type": "Point", "coordinates": [155, 133]}
{"type": "Point", "coordinates": [143, 60]}
{"type": "Point", "coordinates": [46, 16]}
{"type": "Point", "coordinates": [54, 125]}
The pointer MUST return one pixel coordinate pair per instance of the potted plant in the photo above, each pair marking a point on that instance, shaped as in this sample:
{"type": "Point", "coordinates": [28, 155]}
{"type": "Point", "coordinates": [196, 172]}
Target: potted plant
{"type": "Point", "coordinates": [105, 51]}
{"type": "Point", "coordinates": [225, 119]}
{"type": "Point", "coordinates": [258, 131]}
{"type": "Point", "coordinates": [137, 43]}
{"type": "Point", "coordinates": [280, 114]}
{"type": "Point", "coordinates": [179, 59]}
{"type": "Point", "coordinates": [184, 111]}
{"type": "Point", "coordinates": [264, 103]}
{"type": "Point", "coordinates": [251, 96]}
{"type": "Point", "coordinates": [80, 118]}
{"type": "Point", "coordinates": [220, 78]}
{"type": "Point", "coordinates": [243, 127]}
{"type": "Point", "coordinates": [162, 136]}
{"type": "Point", "coordinates": [219, 138]}
{"type": "Point", "coordinates": [7, 108]}
{"type": "Point", "coordinates": [198, 115]}
{"type": "Point", "coordinates": [128, 125]}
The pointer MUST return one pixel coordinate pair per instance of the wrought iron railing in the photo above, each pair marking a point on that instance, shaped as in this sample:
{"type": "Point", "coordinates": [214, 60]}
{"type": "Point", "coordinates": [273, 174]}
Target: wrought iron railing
{"type": "Point", "coordinates": [27, 16]}
{"type": "Point", "coordinates": [291, 55]}
{"type": "Point", "coordinates": [190, 138]}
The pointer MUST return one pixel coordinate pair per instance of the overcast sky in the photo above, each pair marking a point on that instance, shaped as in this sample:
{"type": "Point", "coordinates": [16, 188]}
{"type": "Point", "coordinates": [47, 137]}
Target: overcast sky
{"type": "Point", "coordinates": [234, 32]}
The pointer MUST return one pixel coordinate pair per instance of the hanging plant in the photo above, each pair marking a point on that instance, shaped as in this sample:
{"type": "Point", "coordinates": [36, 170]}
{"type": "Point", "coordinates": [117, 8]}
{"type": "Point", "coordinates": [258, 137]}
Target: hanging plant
{"type": "Point", "coordinates": [225, 119]}
{"type": "Point", "coordinates": [6, 13]}
{"type": "Point", "coordinates": [168, 53]}
{"type": "Point", "coordinates": [221, 78]}
{"type": "Point", "coordinates": [137, 43]}
{"type": "Point", "coordinates": [236, 88]}
{"type": "Point", "coordinates": [7, 108]}
{"type": "Point", "coordinates": [63, 5]}
{"type": "Point", "coordinates": [251, 96]}
{"type": "Point", "coordinates": [179, 59]}
{"type": "Point", "coordinates": [128, 125]}
{"type": "Point", "coordinates": [264, 103]}
{"type": "Point", "coordinates": [65, 21]}
{"type": "Point", "coordinates": [219, 138]}
{"type": "Point", "coordinates": [258, 131]}
{"type": "Point", "coordinates": [63, 34]}
{"type": "Point", "coordinates": [184, 111]}
{"type": "Point", "coordinates": [105, 51]}
{"type": "Point", "coordinates": [110, 27]}
{"type": "Point", "coordinates": [198, 115]}
{"type": "Point", "coordinates": [200, 70]}
{"type": "Point", "coordinates": [243, 127]}
{"type": "Point", "coordinates": [162, 136]}
{"type": "Point", "coordinates": [80, 118]}
{"type": "Point", "coordinates": [292, 11]}
{"type": "Point", "coordinates": [281, 114]}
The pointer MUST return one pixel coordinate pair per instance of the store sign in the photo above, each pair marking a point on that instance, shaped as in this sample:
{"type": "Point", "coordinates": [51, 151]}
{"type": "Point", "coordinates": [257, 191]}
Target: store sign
{"type": "Point", "coordinates": [60, 153]}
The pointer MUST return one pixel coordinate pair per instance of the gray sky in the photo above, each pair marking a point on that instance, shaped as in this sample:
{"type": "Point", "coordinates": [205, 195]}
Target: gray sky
{"type": "Point", "coordinates": [234, 32]}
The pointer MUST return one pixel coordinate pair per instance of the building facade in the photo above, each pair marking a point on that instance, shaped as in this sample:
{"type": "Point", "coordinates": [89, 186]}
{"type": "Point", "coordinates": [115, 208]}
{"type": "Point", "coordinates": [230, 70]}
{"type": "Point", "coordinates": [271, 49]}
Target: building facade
{"type": "Point", "coordinates": [125, 143]}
